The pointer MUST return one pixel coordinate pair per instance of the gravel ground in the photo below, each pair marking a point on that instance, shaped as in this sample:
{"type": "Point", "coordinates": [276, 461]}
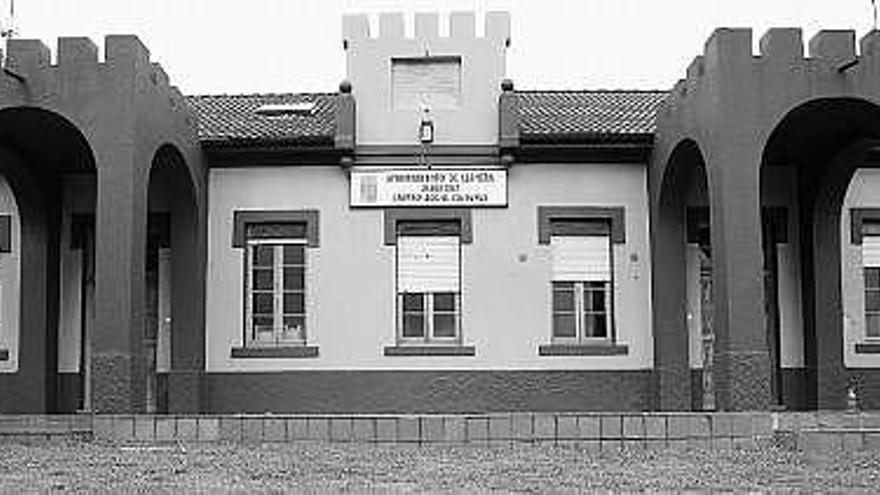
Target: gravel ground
{"type": "Point", "coordinates": [83, 466]}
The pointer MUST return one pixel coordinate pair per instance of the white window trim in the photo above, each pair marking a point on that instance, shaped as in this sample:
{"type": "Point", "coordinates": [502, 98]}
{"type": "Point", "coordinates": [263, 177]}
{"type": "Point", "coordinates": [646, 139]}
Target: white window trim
{"type": "Point", "coordinates": [580, 316]}
{"type": "Point", "coordinates": [250, 339]}
{"type": "Point", "coordinates": [428, 325]}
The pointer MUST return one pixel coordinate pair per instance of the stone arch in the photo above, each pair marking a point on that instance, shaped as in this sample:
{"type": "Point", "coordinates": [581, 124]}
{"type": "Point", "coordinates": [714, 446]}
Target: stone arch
{"type": "Point", "coordinates": [39, 150]}
{"type": "Point", "coordinates": [822, 142]}
{"type": "Point", "coordinates": [174, 254]}
{"type": "Point", "coordinates": [681, 213]}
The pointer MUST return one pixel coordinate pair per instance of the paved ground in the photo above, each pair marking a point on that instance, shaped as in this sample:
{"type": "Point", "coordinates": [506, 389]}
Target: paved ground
{"type": "Point", "coordinates": [377, 468]}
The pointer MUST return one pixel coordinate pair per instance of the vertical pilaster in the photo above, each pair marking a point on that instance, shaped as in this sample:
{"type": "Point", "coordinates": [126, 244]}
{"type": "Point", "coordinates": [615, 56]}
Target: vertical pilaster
{"type": "Point", "coordinates": [670, 324]}
{"type": "Point", "coordinates": [742, 357]}
{"type": "Point", "coordinates": [188, 268]}
{"type": "Point", "coordinates": [117, 368]}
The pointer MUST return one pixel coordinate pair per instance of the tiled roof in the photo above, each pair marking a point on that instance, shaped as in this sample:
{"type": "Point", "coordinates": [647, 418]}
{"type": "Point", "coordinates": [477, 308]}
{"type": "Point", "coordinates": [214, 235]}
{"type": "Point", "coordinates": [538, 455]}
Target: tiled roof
{"type": "Point", "coordinates": [544, 115]}
{"type": "Point", "coordinates": [576, 114]}
{"type": "Point", "coordinates": [232, 119]}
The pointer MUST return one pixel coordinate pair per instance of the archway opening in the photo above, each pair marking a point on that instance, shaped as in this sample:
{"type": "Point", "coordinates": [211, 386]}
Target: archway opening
{"type": "Point", "coordinates": [814, 275]}
{"type": "Point", "coordinates": [48, 180]}
{"type": "Point", "coordinates": [683, 313]}
{"type": "Point", "coordinates": [172, 332]}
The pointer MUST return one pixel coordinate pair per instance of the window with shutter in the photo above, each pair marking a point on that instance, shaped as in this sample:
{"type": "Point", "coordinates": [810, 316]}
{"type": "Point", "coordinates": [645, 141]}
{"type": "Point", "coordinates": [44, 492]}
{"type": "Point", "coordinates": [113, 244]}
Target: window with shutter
{"type": "Point", "coordinates": [428, 282]}
{"type": "Point", "coordinates": [581, 281]}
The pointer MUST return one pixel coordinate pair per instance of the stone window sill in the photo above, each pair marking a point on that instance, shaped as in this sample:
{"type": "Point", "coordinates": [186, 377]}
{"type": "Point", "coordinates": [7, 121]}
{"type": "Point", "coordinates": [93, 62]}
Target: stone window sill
{"type": "Point", "coordinates": [300, 351]}
{"type": "Point", "coordinates": [582, 350]}
{"type": "Point", "coordinates": [4, 354]}
{"type": "Point", "coordinates": [430, 350]}
{"type": "Point", "coordinates": [868, 348]}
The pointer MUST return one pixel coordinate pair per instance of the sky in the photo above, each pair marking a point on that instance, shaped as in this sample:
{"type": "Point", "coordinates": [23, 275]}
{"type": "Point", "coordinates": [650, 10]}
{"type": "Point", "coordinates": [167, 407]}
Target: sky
{"type": "Point", "coordinates": [279, 46]}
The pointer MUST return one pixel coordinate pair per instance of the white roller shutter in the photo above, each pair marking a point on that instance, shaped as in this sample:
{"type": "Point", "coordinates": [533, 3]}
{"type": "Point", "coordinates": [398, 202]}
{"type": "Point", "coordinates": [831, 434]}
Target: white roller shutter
{"type": "Point", "coordinates": [871, 250]}
{"type": "Point", "coordinates": [427, 264]}
{"type": "Point", "coordinates": [581, 258]}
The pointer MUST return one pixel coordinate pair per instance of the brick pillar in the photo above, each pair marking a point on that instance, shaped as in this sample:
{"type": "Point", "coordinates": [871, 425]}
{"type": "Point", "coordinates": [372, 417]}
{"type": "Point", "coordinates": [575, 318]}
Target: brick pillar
{"type": "Point", "coordinates": [118, 381]}
{"type": "Point", "coordinates": [742, 357]}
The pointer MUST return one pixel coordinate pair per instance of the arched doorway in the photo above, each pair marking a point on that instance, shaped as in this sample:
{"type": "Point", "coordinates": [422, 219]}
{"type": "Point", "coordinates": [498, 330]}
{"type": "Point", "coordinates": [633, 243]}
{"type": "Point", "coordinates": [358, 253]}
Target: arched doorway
{"type": "Point", "coordinates": [807, 166]}
{"type": "Point", "coordinates": [48, 177]}
{"type": "Point", "coordinates": [683, 312]}
{"type": "Point", "coordinates": [174, 279]}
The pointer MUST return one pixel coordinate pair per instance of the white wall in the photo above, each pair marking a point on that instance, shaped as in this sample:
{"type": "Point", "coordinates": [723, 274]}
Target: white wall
{"type": "Point", "coordinates": [10, 272]}
{"type": "Point", "coordinates": [350, 277]}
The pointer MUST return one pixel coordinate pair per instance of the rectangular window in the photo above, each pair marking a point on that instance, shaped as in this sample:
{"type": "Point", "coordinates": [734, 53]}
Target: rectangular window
{"type": "Point", "coordinates": [275, 264]}
{"type": "Point", "coordinates": [871, 266]}
{"type": "Point", "coordinates": [432, 81]}
{"type": "Point", "coordinates": [581, 281]}
{"type": "Point", "coordinates": [428, 282]}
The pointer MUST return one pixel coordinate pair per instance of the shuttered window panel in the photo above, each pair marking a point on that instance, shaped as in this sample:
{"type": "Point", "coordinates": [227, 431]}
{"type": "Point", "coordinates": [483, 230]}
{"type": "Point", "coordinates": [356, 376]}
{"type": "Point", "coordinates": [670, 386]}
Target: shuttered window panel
{"type": "Point", "coordinates": [428, 264]}
{"type": "Point", "coordinates": [871, 250]}
{"type": "Point", "coordinates": [581, 258]}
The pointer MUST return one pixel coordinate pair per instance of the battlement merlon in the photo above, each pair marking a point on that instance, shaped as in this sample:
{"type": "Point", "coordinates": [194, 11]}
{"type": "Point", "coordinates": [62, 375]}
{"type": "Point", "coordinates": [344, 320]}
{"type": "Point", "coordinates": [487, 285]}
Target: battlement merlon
{"type": "Point", "coordinates": [30, 56]}
{"type": "Point", "coordinates": [783, 45]}
{"type": "Point", "coordinates": [730, 49]}
{"type": "Point", "coordinates": [30, 59]}
{"type": "Point", "coordinates": [462, 25]}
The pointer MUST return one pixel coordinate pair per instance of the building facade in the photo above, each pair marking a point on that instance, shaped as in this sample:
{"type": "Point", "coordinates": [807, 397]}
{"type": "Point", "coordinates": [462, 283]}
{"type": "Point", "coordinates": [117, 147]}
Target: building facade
{"type": "Point", "coordinates": [430, 239]}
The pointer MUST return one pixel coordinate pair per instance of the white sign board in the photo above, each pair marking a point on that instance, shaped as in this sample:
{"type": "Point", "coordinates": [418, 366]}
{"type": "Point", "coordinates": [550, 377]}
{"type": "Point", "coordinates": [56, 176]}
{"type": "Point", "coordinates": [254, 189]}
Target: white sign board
{"type": "Point", "coordinates": [423, 187]}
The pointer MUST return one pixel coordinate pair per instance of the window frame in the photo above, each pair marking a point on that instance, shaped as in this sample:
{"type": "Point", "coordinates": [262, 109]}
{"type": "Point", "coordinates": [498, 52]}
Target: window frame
{"type": "Point", "coordinates": [309, 219]}
{"type": "Point", "coordinates": [428, 319]}
{"type": "Point", "coordinates": [868, 313]}
{"type": "Point", "coordinates": [427, 337]}
{"type": "Point", "coordinates": [394, 220]}
{"type": "Point", "coordinates": [278, 292]}
{"type": "Point", "coordinates": [869, 228]}
{"type": "Point", "coordinates": [615, 219]}
{"type": "Point", "coordinates": [578, 289]}
{"type": "Point", "coordinates": [860, 219]}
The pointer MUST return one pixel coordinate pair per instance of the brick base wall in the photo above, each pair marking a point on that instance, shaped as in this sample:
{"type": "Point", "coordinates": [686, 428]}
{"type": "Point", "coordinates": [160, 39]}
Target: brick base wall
{"type": "Point", "coordinates": [426, 391]}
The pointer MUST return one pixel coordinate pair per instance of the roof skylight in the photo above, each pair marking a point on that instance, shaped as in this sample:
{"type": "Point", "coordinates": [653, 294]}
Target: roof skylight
{"type": "Point", "coordinates": [300, 108]}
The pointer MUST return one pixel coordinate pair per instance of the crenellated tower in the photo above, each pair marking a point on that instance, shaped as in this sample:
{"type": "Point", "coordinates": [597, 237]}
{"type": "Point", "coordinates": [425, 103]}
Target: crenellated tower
{"type": "Point", "coordinates": [457, 78]}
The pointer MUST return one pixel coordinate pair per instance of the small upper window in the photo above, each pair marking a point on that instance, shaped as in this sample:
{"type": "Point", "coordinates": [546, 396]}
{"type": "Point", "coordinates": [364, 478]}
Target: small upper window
{"type": "Point", "coordinates": [434, 82]}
